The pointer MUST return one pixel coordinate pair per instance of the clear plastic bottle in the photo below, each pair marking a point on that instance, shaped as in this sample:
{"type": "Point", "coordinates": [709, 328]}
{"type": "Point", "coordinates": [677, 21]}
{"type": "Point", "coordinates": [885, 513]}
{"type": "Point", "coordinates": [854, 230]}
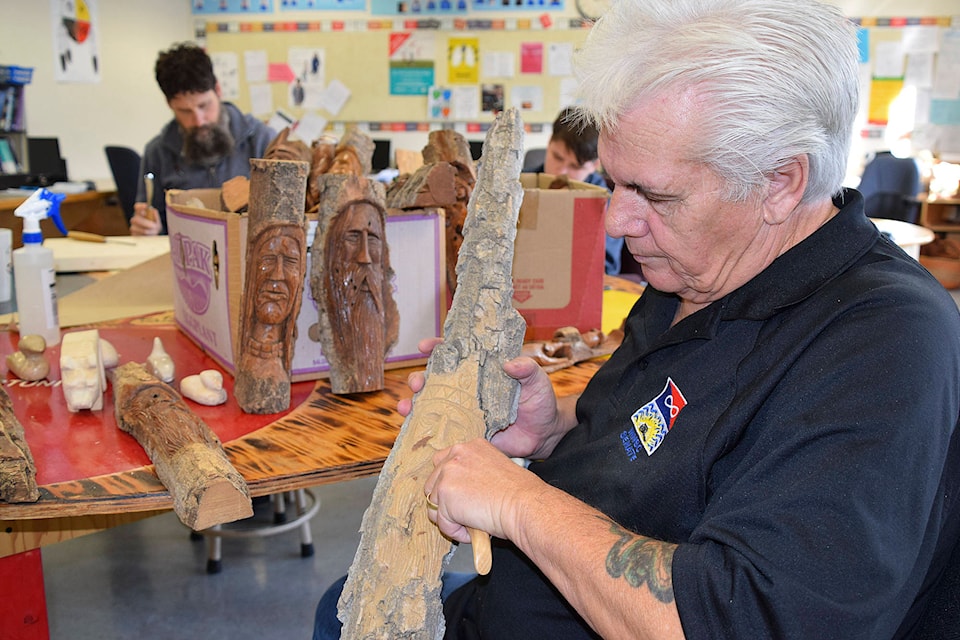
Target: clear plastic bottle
{"type": "Point", "coordinates": [33, 272]}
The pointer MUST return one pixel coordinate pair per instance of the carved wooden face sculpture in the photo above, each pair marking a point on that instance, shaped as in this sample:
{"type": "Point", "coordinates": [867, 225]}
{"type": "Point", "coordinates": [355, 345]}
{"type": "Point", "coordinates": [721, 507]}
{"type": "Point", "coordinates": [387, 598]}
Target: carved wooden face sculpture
{"type": "Point", "coordinates": [279, 272]}
{"type": "Point", "coordinates": [355, 273]}
{"type": "Point", "coordinates": [356, 256]}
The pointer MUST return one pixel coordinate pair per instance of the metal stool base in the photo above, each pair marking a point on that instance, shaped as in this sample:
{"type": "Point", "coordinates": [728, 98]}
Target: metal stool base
{"type": "Point", "coordinates": [307, 506]}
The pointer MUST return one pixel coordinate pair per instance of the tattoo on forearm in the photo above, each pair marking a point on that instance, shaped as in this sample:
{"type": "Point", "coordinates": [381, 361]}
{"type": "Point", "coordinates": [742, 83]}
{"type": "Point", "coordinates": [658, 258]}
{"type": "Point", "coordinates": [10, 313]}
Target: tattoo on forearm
{"type": "Point", "coordinates": [640, 561]}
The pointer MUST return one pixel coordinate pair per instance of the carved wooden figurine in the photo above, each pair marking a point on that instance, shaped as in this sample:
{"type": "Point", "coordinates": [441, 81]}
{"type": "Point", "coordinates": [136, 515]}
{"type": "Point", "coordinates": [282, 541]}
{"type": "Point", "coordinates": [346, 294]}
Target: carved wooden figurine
{"type": "Point", "coordinates": [350, 279]}
{"type": "Point", "coordinates": [354, 154]}
{"type": "Point", "coordinates": [569, 347]}
{"type": "Point", "coordinates": [187, 455]}
{"type": "Point", "coordinates": [466, 395]}
{"type": "Point", "coordinates": [81, 370]}
{"type": "Point", "coordinates": [28, 362]}
{"type": "Point", "coordinates": [18, 472]}
{"type": "Point", "coordinates": [322, 154]}
{"type": "Point", "coordinates": [449, 146]}
{"type": "Point", "coordinates": [273, 286]}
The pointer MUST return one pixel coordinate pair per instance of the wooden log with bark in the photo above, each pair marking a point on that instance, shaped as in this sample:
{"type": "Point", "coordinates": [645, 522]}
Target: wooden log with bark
{"type": "Point", "coordinates": [18, 472]}
{"type": "Point", "coordinates": [187, 455]}
{"type": "Point", "coordinates": [393, 587]}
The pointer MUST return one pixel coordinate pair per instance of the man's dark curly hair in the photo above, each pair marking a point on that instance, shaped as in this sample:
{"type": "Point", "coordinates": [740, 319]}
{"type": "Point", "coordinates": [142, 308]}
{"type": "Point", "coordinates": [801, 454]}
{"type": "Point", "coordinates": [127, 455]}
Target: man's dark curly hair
{"type": "Point", "coordinates": [185, 68]}
{"type": "Point", "coordinates": [580, 138]}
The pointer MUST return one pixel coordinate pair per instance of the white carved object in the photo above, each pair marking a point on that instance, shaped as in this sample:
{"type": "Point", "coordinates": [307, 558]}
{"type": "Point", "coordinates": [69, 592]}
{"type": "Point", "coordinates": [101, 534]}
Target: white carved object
{"type": "Point", "coordinates": [109, 355]}
{"type": "Point", "coordinates": [28, 362]}
{"type": "Point", "coordinates": [205, 387]}
{"type": "Point", "coordinates": [81, 370]}
{"type": "Point", "coordinates": [159, 363]}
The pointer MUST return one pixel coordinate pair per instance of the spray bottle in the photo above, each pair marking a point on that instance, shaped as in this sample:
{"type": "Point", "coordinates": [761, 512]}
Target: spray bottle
{"type": "Point", "coordinates": [33, 273]}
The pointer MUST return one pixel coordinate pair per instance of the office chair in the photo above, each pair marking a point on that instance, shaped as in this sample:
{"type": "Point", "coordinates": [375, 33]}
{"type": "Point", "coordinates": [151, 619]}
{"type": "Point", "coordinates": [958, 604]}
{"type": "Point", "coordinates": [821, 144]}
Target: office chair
{"type": "Point", "coordinates": [125, 166]}
{"type": "Point", "coordinates": [890, 186]}
{"type": "Point", "coordinates": [533, 158]}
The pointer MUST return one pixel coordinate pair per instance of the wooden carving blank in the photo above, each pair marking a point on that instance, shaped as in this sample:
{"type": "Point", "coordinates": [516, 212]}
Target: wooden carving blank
{"type": "Point", "coordinates": [393, 587]}
{"type": "Point", "coordinates": [18, 473]}
{"type": "Point", "coordinates": [187, 455]}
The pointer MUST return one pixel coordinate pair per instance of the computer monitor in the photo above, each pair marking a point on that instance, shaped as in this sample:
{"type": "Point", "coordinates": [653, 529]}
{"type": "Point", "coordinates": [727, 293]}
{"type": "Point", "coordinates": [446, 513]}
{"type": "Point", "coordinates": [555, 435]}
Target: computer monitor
{"type": "Point", "coordinates": [381, 155]}
{"type": "Point", "coordinates": [476, 149]}
{"type": "Point", "coordinates": [46, 166]}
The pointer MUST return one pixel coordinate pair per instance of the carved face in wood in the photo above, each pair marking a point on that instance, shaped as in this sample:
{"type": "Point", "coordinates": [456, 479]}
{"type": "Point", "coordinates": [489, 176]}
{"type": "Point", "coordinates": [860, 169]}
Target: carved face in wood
{"type": "Point", "coordinates": [356, 272]}
{"type": "Point", "coordinates": [279, 272]}
{"type": "Point", "coordinates": [346, 162]}
{"type": "Point", "coordinates": [357, 253]}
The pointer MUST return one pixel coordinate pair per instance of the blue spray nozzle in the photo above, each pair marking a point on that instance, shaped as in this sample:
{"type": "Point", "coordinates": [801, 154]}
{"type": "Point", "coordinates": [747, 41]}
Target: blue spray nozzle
{"type": "Point", "coordinates": [41, 204]}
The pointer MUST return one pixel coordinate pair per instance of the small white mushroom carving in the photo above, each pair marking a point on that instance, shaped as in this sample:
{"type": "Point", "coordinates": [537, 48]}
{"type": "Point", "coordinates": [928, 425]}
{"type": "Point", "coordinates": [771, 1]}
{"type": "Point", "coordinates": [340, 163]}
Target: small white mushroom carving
{"type": "Point", "coordinates": [159, 363]}
{"type": "Point", "coordinates": [205, 387]}
{"type": "Point", "coordinates": [108, 354]}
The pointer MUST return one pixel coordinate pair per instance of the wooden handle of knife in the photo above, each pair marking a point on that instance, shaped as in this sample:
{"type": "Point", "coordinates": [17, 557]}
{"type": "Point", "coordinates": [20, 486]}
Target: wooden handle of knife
{"type": "Point", "coordinates": [482, 554]}
{"type": "Point", "coordinates": [86, 237]}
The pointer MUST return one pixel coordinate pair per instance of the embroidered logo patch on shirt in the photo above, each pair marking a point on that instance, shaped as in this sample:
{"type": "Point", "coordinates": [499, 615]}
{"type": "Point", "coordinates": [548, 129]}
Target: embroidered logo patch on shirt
{"type": "Point", "coordinates": [652, 421]}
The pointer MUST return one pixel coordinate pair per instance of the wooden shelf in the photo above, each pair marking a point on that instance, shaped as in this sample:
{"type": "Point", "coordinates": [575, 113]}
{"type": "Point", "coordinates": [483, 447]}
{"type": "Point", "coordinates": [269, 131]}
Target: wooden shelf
{"type": "Point", "coordinates": [941, 214]}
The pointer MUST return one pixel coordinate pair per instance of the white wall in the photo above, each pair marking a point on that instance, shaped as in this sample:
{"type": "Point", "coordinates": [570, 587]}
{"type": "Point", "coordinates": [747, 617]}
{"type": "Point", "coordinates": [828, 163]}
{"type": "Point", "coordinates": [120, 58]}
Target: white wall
{"type": "Point", "coordinates": [127, 108]}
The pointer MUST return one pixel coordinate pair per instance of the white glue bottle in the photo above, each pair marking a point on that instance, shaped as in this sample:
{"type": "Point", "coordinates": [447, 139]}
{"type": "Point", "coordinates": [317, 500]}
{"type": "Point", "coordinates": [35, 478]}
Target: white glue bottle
{"type": "Point", "coordinates": [33, 274]}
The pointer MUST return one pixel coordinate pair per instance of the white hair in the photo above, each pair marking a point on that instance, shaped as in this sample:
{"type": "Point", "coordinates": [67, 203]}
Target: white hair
{"type": "Point", "coordinates": [778, 78]}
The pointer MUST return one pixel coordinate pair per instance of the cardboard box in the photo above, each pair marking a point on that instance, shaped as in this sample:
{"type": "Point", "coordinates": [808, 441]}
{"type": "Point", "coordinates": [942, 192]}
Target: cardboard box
{"type": "Point", "coordinates": [559, 256]}
{"type": "Point", "coordinates": [208, 249]}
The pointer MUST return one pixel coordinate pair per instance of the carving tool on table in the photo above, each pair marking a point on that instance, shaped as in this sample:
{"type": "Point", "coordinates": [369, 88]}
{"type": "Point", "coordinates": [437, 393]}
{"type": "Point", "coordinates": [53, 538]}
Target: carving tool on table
{"type": "Point", "coordinates": [84, 236]}
{"type": "Point", "coordinates": [148, 188]}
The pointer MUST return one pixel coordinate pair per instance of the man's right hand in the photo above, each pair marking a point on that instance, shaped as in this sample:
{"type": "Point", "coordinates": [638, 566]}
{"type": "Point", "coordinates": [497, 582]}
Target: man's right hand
{"type": "Point", "coordinates": [145, 220]}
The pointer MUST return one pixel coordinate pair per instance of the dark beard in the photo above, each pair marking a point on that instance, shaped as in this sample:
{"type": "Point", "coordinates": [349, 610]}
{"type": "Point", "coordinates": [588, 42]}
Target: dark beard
{"type": "Point", "coordinates": [208, 144]}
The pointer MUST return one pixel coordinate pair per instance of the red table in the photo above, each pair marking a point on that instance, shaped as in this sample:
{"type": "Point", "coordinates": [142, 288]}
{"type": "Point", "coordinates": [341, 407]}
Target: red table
{"type": "Point", "coordinates": [92, 476]}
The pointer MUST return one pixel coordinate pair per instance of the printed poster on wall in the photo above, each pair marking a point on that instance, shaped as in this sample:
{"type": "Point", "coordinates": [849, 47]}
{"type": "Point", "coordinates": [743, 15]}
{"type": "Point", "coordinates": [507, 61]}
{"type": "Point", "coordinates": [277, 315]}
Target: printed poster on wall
{"type": "Point", "coordinates": [413, 8]}
{"type": "Point", "coordinates": [531, 57]}
{"type": "Point", "coordinates": [309, 71]}
{"type": "Point", "coordinates": [75, 41]}
{"type": "Point", "coordinates": [411, 62]}
{"type": "Point", "coordinates": [463, 60]}
{"type": "Point", "coordinates": [200, 7]}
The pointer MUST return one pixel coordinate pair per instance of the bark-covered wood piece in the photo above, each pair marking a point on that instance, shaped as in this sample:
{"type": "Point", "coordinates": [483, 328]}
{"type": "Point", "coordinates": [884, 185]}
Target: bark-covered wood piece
{"type": "Point", "coordinates": [449, 146]}
{"type": "Point", "coordinates": [276, 262]}
{"type": "Point", "coordinates": [187, 455]}
{"type": "Point", "coordinates": [350, 274]}
{"type": "Point", "coordinates": [18, 473]}
{"type": "Point", "coordinates": [283, 148]}
{"type": "Point", "coordinates": [433, 185]}
{"type": "Point", "coordinates": [235, 194]}
{"type": "Point", "coordinates": [393, 587]}
{"type": "Point", "coordinates": [354, 153]}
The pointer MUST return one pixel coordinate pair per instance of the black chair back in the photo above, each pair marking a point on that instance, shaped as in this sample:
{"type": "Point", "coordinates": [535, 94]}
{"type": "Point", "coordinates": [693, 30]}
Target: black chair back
{"type": "Point", "coordinates": [890, 186]}
{"type": "Point", "coordinates": [125, 166]}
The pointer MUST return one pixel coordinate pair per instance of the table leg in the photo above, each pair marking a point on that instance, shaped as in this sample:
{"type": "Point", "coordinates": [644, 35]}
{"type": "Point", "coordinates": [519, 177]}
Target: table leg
{"type": "Point", "coordinates": [24, 611]}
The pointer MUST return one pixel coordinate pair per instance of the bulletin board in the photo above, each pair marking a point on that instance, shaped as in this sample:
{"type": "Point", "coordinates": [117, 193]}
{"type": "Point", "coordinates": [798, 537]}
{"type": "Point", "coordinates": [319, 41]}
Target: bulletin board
{"type": "Point", "coordinates": [360, 59]}
{"type": "Point", "coordinates": [911, 82]}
